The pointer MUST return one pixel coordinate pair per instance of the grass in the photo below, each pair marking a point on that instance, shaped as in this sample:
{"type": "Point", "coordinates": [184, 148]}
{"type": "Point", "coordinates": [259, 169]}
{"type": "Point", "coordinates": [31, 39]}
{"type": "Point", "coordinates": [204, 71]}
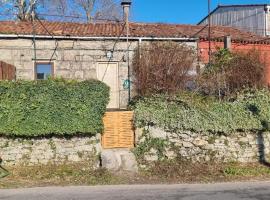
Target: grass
{"type": "Point", "coordinates": [236, 170]}
{"type": "Point", "coordinates": [159, 172]}
{"type": "Point", "coordinates": [58, 175]}
{"type": "Point", "coordinates": [178, 171]}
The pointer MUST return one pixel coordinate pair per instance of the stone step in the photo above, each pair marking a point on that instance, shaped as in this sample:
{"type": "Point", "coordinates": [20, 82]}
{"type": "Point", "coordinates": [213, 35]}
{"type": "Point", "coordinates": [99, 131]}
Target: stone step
{"type": "Point", "coordinates": [119, 160]}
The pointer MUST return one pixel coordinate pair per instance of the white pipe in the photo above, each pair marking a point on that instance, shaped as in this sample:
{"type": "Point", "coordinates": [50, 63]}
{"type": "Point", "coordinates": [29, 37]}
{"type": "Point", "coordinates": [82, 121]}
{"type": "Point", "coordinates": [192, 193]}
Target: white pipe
{"type": "Point", "coordinates": [266, 20]}
{"type": "Point", "coordinates": [96, 38]}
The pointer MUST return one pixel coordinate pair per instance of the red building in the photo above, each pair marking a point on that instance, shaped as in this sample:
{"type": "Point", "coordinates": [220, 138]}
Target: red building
{"type": "Point", "coordinates": [262, 46]}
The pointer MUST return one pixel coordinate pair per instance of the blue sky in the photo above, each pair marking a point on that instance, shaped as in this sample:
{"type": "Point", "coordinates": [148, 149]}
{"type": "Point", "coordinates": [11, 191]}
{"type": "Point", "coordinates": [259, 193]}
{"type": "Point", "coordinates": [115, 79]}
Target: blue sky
{"type": "Point", "coordinates": [178, 11]}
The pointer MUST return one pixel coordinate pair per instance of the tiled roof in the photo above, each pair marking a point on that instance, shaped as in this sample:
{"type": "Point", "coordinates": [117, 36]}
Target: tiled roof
{"type": "Point", "coordinates": [136, 30]}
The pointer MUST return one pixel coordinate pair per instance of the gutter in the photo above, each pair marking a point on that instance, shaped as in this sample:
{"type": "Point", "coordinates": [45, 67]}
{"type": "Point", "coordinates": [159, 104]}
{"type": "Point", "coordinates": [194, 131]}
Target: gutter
{"type": "Point", "coordinates": [96, 38]}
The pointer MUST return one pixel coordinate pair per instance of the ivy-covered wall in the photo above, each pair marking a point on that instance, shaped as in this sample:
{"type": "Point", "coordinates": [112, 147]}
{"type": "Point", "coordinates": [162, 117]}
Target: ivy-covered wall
{"type": "Point", "coordinates": [52, 121]}
{"type": "Point", "coordinates": [204, 129]}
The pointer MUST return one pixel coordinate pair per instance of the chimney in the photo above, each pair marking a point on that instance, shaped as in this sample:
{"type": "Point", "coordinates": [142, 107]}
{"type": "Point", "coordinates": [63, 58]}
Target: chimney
{"type": "Point", "coordinates": [126, 8]}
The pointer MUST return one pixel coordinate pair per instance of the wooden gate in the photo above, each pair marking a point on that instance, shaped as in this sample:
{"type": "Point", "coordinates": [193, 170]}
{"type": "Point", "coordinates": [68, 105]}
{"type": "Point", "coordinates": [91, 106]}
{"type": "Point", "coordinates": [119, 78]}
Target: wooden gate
{"type": "Point", "coordinates": [118, 130]}
{"type": "Point", "coordinates": [7, 71]}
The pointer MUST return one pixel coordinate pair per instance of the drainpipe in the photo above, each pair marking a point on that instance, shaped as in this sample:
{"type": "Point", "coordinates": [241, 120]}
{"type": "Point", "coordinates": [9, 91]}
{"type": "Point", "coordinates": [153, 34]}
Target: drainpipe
{"type": "Point", "coordinates": [139, 45]}
{"type": "Point", "coordinates": [227, 42]}
{"type": "Point", "coordinates": [34, 41]}
{"type": "Point", "coordinates": [266, 18]}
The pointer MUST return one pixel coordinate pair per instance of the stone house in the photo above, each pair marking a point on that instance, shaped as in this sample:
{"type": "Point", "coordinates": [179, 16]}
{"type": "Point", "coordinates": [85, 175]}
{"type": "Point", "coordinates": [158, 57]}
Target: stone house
{"type": "Point", "coordinates": [100, 50]}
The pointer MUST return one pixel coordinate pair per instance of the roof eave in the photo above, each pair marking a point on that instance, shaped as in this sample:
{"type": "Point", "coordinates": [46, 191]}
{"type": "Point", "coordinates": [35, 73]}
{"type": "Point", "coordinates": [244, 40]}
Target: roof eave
{"type": "Point", "coordinates": [96, 37]}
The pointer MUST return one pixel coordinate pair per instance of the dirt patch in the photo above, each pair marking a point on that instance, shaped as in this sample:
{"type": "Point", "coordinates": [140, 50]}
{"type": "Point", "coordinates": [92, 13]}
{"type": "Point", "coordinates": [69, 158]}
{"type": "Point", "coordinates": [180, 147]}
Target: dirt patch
{"type": "Point", "coordinates": [156, 173]}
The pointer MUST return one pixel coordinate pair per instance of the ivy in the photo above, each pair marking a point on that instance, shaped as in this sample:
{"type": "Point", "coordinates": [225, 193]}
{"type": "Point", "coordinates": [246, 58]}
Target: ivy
{"type": "Point", "coordinates": [149, 143]}
{"type": "Point", "coordinates": [52, 107]}
{"type": "Point", "coordinates": [250, 111]}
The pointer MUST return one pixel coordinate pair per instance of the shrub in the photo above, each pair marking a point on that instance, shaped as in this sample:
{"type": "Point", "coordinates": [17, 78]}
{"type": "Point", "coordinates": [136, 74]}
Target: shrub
{"type": "Point", "coordinates": [162, 67]}
{"type": "Point", "coordinates": [249, 112]}
{"type": "Point", "coordinates": [52, 107]}
{"type": "Point", "coordinates": [230, 72]}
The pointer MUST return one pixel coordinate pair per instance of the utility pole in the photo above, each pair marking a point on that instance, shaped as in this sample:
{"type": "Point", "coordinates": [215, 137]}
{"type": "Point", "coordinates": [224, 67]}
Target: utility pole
{"type": "Point", "coordinates": [209, 31]}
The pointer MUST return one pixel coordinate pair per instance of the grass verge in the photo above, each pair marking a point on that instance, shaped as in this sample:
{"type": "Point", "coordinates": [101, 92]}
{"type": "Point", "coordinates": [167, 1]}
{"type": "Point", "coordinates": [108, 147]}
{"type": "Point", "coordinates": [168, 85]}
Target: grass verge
{"type": "Point", "coordinates": [170, 172]}
{"type": "Point", "coordinates": [186, 172]}
{"type": "Point", "coordinates": [57, 175]}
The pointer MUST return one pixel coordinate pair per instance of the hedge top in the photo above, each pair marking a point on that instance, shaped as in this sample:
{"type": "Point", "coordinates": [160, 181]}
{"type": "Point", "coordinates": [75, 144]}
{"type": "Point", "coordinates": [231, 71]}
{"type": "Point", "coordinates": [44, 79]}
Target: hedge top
{"type": "Point", "coordinates": [52, 107]}
{"type": "Point", "coordinates": [249, 112]}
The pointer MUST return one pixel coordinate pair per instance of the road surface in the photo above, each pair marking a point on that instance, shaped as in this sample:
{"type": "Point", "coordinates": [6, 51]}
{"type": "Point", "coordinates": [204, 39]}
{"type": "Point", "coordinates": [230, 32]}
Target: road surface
{"type": "Point", "coordinates": [224, 191]}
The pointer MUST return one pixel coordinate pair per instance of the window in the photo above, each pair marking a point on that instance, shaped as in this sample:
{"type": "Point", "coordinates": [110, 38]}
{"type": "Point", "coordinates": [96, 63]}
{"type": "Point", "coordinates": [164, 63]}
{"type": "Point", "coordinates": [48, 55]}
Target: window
{"type": "Point", "coordinates": [43, 71]}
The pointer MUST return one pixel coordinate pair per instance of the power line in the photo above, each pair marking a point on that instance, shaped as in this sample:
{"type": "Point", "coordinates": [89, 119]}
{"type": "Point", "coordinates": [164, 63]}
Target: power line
{"type": "Point", "coordinates": [113, 49]}
{"type": "Point", "coordinates": [56, 42]}
{"type": "Point", "coordinates": [65, 16]}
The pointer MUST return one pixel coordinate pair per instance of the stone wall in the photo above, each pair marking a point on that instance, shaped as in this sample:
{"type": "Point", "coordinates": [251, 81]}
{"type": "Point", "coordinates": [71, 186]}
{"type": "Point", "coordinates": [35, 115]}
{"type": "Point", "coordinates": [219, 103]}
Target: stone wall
{"type": "Point", "coordinates": [155, 144]}
{"type": "Point", "coordinates": [50, 150]}
{"type": "Point", "coordinates": [73, 59]}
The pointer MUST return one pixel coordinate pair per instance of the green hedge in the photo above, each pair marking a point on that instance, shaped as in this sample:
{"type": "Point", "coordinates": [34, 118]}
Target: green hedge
{"type": "Point", "coordinates": [249, 112]}
{"type": "Point", "coordinates": [52, 107]}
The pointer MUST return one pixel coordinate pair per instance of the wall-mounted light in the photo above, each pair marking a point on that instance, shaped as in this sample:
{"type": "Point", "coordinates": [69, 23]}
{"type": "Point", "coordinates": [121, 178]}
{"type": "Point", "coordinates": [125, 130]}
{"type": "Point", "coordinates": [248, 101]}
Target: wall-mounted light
{"type": "Point", "coordinates": [109, 54]}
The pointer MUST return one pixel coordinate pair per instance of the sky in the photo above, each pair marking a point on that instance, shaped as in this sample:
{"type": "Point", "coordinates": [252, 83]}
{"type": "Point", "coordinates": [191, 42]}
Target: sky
{"type": "Point", "coordinates": [178, 11]}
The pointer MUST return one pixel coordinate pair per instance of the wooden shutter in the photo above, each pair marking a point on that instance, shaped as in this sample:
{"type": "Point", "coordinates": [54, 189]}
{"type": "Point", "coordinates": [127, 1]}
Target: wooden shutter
{"type": "Point", "coordinates": [7, 71]}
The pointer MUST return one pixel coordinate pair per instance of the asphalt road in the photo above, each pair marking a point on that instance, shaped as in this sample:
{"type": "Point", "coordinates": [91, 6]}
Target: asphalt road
{"type": "Point", "coordinates": [228, 191]}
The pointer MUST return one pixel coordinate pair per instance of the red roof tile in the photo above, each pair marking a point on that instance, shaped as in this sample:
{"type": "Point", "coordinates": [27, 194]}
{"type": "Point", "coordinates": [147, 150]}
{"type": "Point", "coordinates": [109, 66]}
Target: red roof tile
{"type": "Point", "coordinates": [136, 30]}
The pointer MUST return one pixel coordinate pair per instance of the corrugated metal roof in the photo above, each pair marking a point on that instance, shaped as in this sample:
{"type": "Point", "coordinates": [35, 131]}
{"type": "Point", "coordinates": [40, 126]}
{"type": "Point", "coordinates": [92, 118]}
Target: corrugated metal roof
{"type": "Point", "coordinates": [242, 5]}
{"type": "Point", "coordinates": [231, 6]}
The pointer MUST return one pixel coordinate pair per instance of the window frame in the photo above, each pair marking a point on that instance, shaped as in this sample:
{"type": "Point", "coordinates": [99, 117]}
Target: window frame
{"type": "Point", "coordinates": [43, 63]}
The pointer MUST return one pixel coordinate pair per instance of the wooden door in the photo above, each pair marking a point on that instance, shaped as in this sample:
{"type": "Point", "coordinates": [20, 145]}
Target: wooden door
{"type": "Point", "coordinates": [108, 73]}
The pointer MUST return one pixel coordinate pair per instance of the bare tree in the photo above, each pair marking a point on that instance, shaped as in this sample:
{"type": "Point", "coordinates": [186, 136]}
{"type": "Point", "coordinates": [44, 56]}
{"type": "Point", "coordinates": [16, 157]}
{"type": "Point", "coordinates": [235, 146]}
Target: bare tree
{"type": "Point", "coordinates": [84, 10]}
{"type": "Point", "coordinates": [97, 9]}
{"type": "Point", "coordinates": [23, 9]}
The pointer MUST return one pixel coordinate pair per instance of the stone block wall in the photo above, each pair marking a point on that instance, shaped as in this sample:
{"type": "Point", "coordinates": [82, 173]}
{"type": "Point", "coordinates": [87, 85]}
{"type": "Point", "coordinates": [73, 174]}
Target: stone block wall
{"type": "Point", "coordinates": [72, 59]}
{"type": "Point", "coordinates": [202, 147]}
{"type": "Point", "coordinates": [42, 151]}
